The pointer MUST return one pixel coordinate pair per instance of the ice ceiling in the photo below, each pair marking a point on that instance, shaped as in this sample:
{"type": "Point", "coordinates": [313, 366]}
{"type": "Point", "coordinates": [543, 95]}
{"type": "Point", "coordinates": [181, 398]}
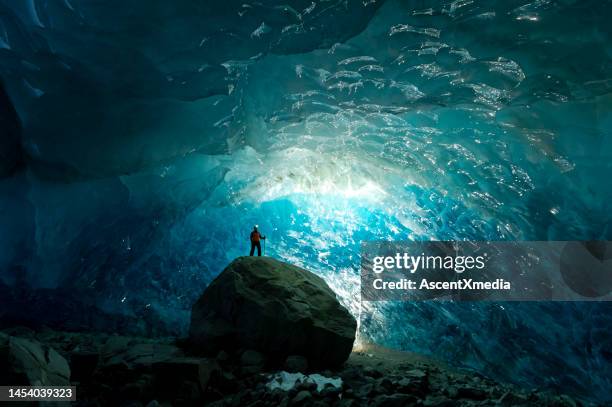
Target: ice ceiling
{"type": "Point", "coordinates": [154, 134]}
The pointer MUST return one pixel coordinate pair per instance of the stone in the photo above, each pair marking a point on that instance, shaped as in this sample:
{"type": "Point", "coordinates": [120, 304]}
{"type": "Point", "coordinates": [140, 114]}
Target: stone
{"type": "Point", "coordinates": [296, 363]}
{"type": "Point", "coordinates": [252, 358]}
{"type": "Point", "coordinates": [414, 381]}
{"type": "Point", "coordinates": [364, 391]}
{"type": "Point", "coordinates": [403, 385]}
{"type": "Point", "coordinates": [114, 345]}
{"type": "Point", "coordinates": [438, 401]}
{"type": "Point", "coordinates": [395, 400]}
{"type": "Point", "coordinates": [383, 385]}
{"type": "Point", "coordinates": [28, 362]}
{"type": "Point", "coordinates": [132, 391]}
{"type": "Point", "coordinates": [372, 372]}
{"type": "Point", "coordinates": [301, 398]}
{"type": "Point", "coordinates": [416, 374]}
{"type": "Point", "coordinates": [511, 398]}
{"type": "Point", "coordinates": [274, 308]}
{"type": "Point", "coordinates": [330, 391]}
{"type": "Point", "coordinates": [189, 391]}
{"type": "Point", "coordinates": [222, 356]}
{"type": "Point", "coordinates": [564, 401]}
{"type": "Point", "coordinates": [471, 392]}
{"type": "Point", "coordinates": [83, 365]}
{"type": "Point", "coordinates": [137, 355]}
{"type": "Point", "coordinates": [176, 370]}
{"type": "Point", "coordinates": [208, 371]}
{"type": "Point", "coordinates": [248, 370]}
{"type": "Point", "coordinates": [308, 386]}
{"type": "Point", "coordinates": [452, 392]}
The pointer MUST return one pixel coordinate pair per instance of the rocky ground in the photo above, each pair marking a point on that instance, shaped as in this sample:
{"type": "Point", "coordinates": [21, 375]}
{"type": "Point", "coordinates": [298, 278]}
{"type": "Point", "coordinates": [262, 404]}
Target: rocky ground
{"type": "Point", "coordinates": [263, 333]}
{"type": "Point", "coordinates": [111, 370]}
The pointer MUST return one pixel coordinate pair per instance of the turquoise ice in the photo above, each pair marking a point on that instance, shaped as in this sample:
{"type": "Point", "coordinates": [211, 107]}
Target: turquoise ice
{"type": "Point", "coordinates": [158, 133]}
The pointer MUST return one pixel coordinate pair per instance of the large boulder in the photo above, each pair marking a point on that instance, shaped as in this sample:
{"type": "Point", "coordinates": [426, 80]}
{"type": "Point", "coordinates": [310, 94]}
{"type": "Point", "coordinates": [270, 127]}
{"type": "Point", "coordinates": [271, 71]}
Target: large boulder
{"type": "Point", "coordinates": [275, 308]}
{"type": "Point", "coordinates": [27, 362]}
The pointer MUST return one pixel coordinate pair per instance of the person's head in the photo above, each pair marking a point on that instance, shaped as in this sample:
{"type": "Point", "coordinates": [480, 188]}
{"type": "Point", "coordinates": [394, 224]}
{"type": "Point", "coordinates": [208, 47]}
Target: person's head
{"type": "Point", "coordinates": [255, 228]}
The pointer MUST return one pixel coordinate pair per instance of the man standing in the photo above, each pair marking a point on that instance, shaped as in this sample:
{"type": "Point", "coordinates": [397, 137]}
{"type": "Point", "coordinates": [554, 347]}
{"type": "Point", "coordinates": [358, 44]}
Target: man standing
{"type": "Point", "coordinates": [256, 241]}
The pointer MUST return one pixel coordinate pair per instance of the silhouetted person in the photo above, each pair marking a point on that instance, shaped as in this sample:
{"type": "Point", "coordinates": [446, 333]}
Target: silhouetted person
{"type": "Point", "coordinates": [256, 238]}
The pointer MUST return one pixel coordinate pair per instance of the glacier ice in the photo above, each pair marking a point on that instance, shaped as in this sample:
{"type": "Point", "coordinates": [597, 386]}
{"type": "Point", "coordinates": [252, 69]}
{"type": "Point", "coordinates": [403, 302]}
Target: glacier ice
{"type": "Point", "coordinates": [155, 134]}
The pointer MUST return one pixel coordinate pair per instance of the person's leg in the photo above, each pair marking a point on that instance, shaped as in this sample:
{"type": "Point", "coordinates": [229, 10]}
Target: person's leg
{"type": "Point", "coordinates": [259, 248]}
{"type": "Point", "coordinates": [252, 249]}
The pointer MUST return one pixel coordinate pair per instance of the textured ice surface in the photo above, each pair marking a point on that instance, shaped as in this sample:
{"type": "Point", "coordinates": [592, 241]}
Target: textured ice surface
{"type": "Point", "coordinates": [157, 133]}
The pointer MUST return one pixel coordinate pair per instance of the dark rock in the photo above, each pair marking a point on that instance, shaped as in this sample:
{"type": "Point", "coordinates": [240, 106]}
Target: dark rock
{"type": "Point", "coordinates": [416, 374]}
{"type": "Point", "coordinates": [308, 386]}
{"type": "Point", "coordinates": [222, 356]}
{"type": "Point", "coordinates": [383, 386]}
{"type": "Point", "coordinates": [115, 344]}
{"type": "Point", "coordinates": [452, 392]}
{"type": "Point", "coordinates": [296, 363]}
{"type": "Point", "coordinates": [364, 391]}
{"type": "Point", "coordinates": [564, 401]}
{"type": "Point", "coordinates": [30, 363]}
{"type": "Point", "coordinates": [330, 391]}
{"type": "Point", "coordinates": [131, 372]}
{"type": "Point", "coordinates": [208, 372]}
{"type": "Point", "coordinates": [511, 399]}
{"type": "Point", "coordinates": [21, 332]}
{"type": "Point", "coordinates": [276, 395]}
{"type": "Point", "coordinates": [252, 358]}
{"type": "Point", "coordinates": [275, 308]}
{"type": "Point", "coordinates": [395, 400]}
{"type": "Point", "coordinates": [119, 349]}
{"type": "Point", "coordinates": [403, 385]}
{"type": "Point", "coordinates": [251, 370]}
{"type": "Point", "coordinates": [302, 398]}
{"type": "Point", "coordinates": [415, 381]}
{"type": "Point", "coordinates": [284, 402]}
{"type": "Point", "coordinates": [548, 398]}
{"type": "Point", "coordinates": [189, 391]}
{"type": "Point", "coordinates": [83, 365]}
{"type": "Point", "coordinates": [174, 371]}
{"type": "Point", "coordinates": [372, 372]}
{"type": "Point", "coordinates": [140, 389]}
{"type": "Point", "coordinates": [351, 373]}
{"type": "Point", "coordinates": [228, 382]}
{"type": "Point", "coordinates": [438, 401]}
{"type": "Point", "coordinates": [132, 391]}
{"type": "Point", "coordinates": [471, 392]}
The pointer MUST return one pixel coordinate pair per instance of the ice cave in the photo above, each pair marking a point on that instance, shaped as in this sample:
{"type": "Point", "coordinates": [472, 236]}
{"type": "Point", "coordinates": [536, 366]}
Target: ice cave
{"type": "Point", "coordinates": [142, 140]}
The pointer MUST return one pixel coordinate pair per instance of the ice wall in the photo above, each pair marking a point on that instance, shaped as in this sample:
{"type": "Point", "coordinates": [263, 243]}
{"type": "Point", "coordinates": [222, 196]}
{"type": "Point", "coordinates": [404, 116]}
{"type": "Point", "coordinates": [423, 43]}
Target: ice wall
{"type": "Point", "coordinates": [155, 134]}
